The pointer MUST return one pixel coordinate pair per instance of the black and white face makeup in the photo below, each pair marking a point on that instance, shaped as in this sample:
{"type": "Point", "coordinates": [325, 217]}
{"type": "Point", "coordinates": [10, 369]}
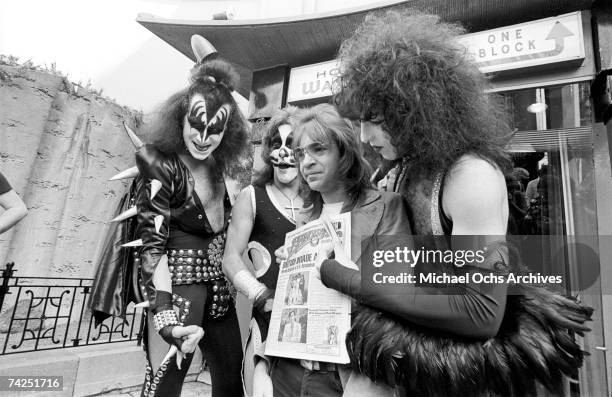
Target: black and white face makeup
{"type": "Point", "coordinates": [204, 127]}
{"type": "Point", "coordinates": [281, 156]}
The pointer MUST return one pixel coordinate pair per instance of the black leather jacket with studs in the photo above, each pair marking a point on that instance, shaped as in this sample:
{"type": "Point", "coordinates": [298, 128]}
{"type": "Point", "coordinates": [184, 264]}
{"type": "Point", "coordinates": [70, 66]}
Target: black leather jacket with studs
{"type": "Point", "coordinates": [173, 218]}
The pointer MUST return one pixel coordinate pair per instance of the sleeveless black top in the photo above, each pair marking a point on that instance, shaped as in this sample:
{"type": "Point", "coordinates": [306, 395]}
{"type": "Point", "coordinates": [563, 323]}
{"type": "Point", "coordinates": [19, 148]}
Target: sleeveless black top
{"type": "Point", "coordinates": [269, 230]}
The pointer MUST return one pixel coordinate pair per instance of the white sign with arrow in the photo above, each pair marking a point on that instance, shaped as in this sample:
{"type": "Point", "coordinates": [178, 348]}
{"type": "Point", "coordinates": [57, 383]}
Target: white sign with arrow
{"type": "Point", "coordinates": [545, 41]}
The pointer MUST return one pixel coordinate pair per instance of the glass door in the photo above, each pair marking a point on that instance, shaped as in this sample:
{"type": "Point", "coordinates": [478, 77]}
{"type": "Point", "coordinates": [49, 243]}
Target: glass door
{"type": "Point", "coordinates": [552, 193]}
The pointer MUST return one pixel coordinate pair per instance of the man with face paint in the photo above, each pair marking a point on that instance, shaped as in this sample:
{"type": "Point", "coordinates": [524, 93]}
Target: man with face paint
{"type": "Point", "coordinates": [182, 208]}
{"type": "Point", "coordinates": [264, 212]}
{"type": "Point", "coordinates": [421, 102]}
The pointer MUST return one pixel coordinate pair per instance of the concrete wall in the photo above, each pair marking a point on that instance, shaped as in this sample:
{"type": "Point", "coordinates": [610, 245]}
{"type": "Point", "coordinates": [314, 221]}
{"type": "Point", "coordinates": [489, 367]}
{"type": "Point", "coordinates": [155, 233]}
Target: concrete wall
{"type": "Point", "coordinates": [58, 147]}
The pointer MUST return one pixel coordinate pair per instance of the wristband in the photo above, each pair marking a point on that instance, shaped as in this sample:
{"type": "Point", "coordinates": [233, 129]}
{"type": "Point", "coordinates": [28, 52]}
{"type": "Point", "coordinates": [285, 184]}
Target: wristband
{"type": "Point", "coordinates": [164, 319]}
{"type": "Point", "coordinates": [248, 285]}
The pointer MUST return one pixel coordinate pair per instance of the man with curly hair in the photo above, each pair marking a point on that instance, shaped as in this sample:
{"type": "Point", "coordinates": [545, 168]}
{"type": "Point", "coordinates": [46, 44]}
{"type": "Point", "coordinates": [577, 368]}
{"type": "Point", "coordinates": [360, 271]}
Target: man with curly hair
{"type": "Point", "coordinates": [422, 105]}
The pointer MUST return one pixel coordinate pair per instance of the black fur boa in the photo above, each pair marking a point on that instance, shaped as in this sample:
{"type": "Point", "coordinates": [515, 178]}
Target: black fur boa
{"type": "Point", "coordinates": [534, 345]}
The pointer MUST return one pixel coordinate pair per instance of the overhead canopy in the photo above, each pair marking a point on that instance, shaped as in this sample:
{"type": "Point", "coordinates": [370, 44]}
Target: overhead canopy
{"type": "Point", "coordinates": [300, 40]}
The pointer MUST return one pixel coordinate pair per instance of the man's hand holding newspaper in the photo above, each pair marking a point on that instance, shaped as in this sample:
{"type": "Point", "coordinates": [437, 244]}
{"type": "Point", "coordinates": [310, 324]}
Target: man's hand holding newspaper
{"type": "Point", "coordinates": [305, 312]}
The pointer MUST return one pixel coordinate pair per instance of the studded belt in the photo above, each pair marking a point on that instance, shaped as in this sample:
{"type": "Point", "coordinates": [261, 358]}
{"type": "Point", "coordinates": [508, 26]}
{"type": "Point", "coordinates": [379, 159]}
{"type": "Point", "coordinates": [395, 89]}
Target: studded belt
{"type": "Point", "coordinates": [188, 266]}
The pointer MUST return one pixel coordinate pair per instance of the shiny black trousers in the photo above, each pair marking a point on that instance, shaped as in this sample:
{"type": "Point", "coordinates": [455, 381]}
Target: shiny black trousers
{"type": "Point", "coordinates": [221, 348]}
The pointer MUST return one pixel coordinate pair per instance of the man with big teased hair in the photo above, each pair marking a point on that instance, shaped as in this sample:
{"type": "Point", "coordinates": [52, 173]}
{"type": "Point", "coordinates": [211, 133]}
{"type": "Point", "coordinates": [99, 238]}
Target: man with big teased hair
{"type": "Point", "coordinates": [263, 214]}
{"type": "Point", "coordinates": [181, 208]}
{"type": "Point", "coordinates": [421, 104]}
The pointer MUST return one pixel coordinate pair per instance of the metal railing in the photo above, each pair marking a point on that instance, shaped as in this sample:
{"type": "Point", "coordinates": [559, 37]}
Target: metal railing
{"type": "Point", "coordinates": [45, 313]}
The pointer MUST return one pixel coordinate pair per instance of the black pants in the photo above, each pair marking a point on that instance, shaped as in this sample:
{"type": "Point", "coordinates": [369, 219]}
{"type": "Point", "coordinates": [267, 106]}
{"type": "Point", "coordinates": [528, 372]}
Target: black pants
{"type": "Point", "coordinates": [221, 347]}
{"type": "Point", "coordinates": [290, 379]}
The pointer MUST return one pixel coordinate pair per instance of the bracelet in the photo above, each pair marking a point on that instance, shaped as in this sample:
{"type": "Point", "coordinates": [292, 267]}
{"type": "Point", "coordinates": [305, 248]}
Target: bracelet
{"type": "Point", "coordinates": [165, 318]}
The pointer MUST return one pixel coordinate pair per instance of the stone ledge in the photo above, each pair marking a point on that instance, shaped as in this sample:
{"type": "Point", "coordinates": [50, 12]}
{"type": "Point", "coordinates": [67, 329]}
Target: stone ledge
{"type": "Point", "coordinates": [87, 370]}
{"type": "Point", "coordinates": [109, 367]}
{"type": "Point", "coordinates": [42, 363]}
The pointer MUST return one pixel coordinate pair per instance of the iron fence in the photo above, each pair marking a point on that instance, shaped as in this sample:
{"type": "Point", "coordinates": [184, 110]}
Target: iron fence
{"type": "Point", "coordinates": [44, 313]}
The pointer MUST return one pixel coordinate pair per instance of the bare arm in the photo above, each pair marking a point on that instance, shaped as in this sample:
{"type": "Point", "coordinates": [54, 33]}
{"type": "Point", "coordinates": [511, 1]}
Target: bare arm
{"type": "Point", "coordinates": [238, 234]}
{"type": "Point", "coordinates": [476, 199]}
{"type": "Point", "coordinates": [15, 210]}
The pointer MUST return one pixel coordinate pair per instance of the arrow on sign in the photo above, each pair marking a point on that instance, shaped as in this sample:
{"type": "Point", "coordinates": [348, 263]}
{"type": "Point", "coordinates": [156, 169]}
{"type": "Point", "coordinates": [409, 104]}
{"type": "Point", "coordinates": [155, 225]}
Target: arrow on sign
{"type": "Point", "coordinates": [558, 33]}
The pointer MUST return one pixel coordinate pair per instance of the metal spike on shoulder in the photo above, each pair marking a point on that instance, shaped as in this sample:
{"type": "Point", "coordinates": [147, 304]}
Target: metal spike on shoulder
{"type": "Point", "coordinates": [129, 173]}
{"type": "Point", "coordinates": [126, 214]}
{"type": "Point", "coordinates": [155, 187]}
{"type": "Point", "coordinates": [135, 243]}
{"type": "Point", "coordinates": [159, 220]}
{"type": "Point", "coordinates": [138, 143]}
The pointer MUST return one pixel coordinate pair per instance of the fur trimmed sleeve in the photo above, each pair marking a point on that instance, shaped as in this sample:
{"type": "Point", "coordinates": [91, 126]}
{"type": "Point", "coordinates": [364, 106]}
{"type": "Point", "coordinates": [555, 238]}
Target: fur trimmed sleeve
{"type": "Point", "coordinates": [466, 309]}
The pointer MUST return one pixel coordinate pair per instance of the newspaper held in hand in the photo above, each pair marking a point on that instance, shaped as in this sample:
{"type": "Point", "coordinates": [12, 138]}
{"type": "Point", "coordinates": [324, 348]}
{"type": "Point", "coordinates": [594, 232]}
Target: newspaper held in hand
{"type": "Point", "coordinates": [310, 321]}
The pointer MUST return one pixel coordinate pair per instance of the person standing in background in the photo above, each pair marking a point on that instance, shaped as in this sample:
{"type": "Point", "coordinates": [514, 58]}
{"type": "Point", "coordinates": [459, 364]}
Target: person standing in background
{"type": "Point", "coordinates": [14, 208]}
{"type": "Point", "coordinates": [531, 192]}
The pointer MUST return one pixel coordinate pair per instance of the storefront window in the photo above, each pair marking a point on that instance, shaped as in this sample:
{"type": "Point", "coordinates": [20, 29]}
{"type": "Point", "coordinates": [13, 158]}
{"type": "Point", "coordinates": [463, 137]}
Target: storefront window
{"type": "Point", "coordinates": [517, 103]}
{"type": "Point", "coordinates": [568, 106]}
{"type": "Point", "coordinates": [552, 191]}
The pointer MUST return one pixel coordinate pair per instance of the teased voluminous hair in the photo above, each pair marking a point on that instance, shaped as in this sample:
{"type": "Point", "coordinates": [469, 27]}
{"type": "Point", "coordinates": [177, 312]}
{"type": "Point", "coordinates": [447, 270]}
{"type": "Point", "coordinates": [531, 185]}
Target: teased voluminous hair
{"type": "Point", "coordinates": [407, 71]}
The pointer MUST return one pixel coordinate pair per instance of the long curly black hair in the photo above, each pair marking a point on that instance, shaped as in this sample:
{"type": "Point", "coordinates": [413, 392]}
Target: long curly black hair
{"type": "Point", "coordinates": [407, 71]}
{"type": "Point", "coordinates": [215, 80]}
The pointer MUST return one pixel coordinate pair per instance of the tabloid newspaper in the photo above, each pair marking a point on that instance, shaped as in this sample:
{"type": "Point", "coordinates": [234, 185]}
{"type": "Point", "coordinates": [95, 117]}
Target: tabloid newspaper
{"type": "Point", "coordinates": [310, 321]}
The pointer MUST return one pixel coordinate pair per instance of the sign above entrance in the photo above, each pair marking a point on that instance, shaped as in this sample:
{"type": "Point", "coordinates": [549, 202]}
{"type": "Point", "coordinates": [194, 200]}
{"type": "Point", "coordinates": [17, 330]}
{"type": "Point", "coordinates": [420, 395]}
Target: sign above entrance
{"type": "Point", "coordinates": [530, 44]}
{"type": "Point", "coordinates": [545, 41]}
{"type": "Point", "coordinates": [312, 81]}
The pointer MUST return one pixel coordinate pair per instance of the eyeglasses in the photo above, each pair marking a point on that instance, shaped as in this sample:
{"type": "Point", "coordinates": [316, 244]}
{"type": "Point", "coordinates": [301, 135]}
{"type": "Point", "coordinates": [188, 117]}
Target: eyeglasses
{"type": "Point", "coordinates": [314, 150]}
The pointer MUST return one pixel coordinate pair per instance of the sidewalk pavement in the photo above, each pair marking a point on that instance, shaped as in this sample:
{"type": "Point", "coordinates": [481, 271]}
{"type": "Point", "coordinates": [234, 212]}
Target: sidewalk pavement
{"type": "Point", "coordinates": [194, 386]}
{"type": "Point", "coordinates": [190, 389]}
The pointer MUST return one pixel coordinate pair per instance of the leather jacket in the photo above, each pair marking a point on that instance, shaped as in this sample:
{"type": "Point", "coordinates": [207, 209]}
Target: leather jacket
{"type": "Point", "coordinates": [176, 201]}
{"type": "Point", "coordinates": [116, 280]}
{"type": "Point", "coordinates": [118, 276]}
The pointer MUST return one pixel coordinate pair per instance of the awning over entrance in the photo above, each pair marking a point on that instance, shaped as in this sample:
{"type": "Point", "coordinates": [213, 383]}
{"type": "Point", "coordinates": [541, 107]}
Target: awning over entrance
{"type": "Point", "coordinates": [306, 39]}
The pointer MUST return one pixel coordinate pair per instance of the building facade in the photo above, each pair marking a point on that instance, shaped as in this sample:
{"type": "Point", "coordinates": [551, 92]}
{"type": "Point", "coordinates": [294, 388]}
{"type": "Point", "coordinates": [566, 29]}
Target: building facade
{"type": "Point", "coordinates": [548, 60]}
